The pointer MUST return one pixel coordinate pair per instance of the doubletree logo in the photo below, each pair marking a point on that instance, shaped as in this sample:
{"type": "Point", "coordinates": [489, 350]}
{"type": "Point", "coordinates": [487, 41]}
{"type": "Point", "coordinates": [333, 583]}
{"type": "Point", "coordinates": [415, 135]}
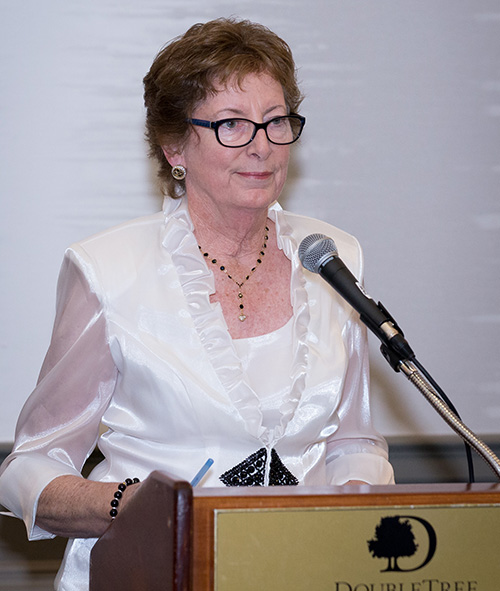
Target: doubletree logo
{"type": "Point", "coordinates": [394, 539]}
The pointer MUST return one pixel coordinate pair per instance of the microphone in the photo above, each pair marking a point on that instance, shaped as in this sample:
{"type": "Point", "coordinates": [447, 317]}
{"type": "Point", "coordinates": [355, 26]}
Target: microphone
{"type": "Point", "coordinates": [318, 254]}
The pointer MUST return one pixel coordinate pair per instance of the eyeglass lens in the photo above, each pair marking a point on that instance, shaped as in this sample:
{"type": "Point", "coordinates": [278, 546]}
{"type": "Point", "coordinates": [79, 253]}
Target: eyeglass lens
{"type": "Point", "coordinates": [280, 130]}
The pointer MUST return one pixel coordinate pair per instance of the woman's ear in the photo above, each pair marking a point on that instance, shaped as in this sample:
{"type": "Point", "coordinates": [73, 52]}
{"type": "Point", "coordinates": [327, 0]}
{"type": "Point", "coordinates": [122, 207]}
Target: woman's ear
{"type": "Point", "coordinates": [173, 155]}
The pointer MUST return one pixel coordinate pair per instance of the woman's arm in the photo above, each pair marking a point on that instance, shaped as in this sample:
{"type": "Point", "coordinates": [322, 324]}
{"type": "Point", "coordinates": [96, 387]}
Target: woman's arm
{"type": "Point", "coordinates": [70, 506]}
{"type": "Point", "coordinates": [59, 425]}
{"type": "Point", "coordinates": [356, 452]}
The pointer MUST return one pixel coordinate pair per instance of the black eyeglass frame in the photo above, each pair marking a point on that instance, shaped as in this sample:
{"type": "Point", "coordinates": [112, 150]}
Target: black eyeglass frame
{"type": "Point", "coordinates": [216, 124]}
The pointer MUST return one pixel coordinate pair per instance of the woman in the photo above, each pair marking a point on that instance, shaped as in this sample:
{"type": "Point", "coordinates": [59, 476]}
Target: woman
{"type": "Point", "coordinates": [195, 332]}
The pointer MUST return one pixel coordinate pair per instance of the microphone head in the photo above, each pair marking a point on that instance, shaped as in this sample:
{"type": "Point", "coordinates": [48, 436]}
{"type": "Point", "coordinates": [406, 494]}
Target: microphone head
{"type": "Point", "coordinates": [315, 250]}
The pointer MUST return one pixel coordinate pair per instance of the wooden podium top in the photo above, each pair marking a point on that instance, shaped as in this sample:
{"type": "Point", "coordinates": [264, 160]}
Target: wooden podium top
{"type": "Point", "coordinates": [366, 493]}
{"type": "Point", "coordinates": [164, 538]}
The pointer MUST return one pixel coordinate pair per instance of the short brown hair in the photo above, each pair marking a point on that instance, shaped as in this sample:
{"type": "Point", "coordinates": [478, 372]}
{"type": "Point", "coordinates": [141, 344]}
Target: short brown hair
{"type": "Point", "coordinates": [188, 69]}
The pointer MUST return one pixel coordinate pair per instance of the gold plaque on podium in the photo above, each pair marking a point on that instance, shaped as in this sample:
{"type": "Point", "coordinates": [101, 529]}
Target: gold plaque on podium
{"type": "Point", "coordinates": [423, 548]}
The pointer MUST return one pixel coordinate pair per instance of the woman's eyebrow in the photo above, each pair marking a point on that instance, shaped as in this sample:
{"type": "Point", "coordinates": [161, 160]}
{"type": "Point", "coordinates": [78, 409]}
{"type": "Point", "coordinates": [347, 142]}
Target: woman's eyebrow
{"type": "Point", "coordinates": [241, 113]}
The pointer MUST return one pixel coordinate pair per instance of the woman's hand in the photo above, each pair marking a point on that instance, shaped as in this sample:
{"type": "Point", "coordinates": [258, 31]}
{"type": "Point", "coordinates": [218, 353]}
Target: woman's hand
{"type": "Point", "coordinates": [73, 507]}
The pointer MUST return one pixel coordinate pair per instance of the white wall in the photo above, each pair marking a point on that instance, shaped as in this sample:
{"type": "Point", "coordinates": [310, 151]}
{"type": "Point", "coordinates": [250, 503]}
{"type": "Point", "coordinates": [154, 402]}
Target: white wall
{"type": "Point", "coordinates": [401, 148]}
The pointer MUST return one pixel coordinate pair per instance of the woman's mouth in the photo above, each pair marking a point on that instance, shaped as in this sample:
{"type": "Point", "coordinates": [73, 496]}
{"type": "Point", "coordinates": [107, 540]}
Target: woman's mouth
{"type": "Point", "coordinates": [256, 175]}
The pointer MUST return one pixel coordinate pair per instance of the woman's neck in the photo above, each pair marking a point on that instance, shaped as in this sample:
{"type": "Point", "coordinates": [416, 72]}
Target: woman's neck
{"type": "Point", "coordinates": [237, 234]}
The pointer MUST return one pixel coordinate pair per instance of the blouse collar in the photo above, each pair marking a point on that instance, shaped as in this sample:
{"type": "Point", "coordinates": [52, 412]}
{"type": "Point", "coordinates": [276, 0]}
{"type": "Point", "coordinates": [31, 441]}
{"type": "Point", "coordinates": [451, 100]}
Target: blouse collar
{"type": "Point", "coordinates": [197, 283]}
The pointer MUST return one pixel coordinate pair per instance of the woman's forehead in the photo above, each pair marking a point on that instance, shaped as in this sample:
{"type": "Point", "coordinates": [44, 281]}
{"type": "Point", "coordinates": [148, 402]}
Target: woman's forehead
{"type": "Point", "coordinates": [236, 91]}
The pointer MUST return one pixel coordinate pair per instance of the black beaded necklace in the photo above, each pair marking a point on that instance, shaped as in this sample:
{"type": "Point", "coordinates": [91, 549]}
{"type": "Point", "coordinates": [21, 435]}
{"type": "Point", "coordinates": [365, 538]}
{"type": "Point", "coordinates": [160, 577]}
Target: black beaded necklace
{"type": "Point", "coordinates": [242, 317]}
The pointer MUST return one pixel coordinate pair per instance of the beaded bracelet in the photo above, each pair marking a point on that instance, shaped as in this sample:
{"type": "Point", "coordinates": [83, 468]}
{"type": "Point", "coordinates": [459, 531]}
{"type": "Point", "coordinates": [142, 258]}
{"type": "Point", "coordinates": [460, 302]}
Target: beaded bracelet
{"type": "Point", "coordinates": [119, 494]}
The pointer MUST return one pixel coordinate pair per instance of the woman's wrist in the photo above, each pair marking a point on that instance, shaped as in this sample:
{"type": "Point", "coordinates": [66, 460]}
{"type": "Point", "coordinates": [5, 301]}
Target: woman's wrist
{"type": "Point", "coordinates": [118, 495]}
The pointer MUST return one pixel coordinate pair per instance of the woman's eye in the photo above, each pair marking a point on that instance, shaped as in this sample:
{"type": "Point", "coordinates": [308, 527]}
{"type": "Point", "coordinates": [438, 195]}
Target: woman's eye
{"type": "Point", "coordinates": [231, 124]}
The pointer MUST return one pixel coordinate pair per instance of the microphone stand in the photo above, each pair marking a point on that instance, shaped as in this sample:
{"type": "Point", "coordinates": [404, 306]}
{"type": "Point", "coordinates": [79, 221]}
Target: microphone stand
{"type": "Point", "coordinates": [408, 367]}
{"type": "Point", "coordinates": [412, 373]}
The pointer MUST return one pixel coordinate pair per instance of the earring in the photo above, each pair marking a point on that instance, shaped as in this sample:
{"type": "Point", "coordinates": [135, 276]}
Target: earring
{"type": "Point", "coordinates": [179, 172]}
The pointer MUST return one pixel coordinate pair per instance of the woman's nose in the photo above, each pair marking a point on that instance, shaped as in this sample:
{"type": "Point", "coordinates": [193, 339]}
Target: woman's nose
{"type": "Point", "coordinates": [260, 145]}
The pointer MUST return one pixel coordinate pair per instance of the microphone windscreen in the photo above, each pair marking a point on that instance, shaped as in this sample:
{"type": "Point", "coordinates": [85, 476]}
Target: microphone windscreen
{"type": "Point", "coordinates": [315, 250]}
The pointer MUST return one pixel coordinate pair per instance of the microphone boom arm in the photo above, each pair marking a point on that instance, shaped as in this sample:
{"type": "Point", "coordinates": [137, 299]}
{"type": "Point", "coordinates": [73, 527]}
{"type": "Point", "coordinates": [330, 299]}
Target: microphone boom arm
{"type": "Point", "coordinates": [414, 376]}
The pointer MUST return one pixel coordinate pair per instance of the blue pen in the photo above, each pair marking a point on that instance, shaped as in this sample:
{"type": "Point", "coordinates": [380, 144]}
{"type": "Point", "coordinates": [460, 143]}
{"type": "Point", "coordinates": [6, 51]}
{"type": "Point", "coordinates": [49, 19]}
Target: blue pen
{"type": "Point", "coordinates": [202, 472]}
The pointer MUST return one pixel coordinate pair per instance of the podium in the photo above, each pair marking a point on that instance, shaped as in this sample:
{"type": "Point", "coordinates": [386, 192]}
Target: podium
{"type": "Point", "coordinates": [352, 538]}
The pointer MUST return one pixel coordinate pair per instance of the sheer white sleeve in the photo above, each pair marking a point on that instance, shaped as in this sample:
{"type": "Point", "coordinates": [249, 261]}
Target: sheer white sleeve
{"type": "Point", "coordinates": [356, 451]}
{"type": "Point", "coordinates": [59, 424]}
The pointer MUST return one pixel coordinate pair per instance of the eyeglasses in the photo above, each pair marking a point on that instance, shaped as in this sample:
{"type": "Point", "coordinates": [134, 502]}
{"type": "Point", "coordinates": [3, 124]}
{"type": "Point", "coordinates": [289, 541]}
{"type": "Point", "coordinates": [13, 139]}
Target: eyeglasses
{"type": "Point", "coordinates": [236, 133]}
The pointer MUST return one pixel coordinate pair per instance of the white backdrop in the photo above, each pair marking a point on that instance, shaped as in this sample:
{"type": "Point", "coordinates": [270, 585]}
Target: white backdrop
{"type": "Point", "coordinates": [401, 148]}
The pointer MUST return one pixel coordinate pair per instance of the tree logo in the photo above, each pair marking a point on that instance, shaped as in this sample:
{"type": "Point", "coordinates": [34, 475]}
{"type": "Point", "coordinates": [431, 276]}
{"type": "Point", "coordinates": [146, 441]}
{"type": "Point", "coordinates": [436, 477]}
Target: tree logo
{"type": "Point", "coordinates": [394, 539]}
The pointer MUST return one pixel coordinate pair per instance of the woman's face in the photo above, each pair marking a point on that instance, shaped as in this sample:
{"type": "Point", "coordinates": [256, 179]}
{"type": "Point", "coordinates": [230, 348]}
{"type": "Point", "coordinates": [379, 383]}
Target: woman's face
{"type": "Point", "coordinates": [249, 177]}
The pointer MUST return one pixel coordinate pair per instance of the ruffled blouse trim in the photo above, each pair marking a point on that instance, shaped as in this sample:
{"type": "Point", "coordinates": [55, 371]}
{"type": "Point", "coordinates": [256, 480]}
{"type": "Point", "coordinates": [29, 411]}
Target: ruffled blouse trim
{"type": "Point", "coordinates": [197, 283]}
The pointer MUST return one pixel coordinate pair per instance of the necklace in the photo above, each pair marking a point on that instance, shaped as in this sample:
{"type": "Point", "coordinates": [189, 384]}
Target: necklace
{"type": "Point", "coordinates": [242, 317]}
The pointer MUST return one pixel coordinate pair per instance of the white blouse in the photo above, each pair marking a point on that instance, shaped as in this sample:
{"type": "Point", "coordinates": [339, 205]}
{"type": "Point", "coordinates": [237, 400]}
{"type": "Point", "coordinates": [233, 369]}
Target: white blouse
{"type": "Point", "coordinates": [141, 355]}
{"type": "Point", "coordinates": [269, 385]}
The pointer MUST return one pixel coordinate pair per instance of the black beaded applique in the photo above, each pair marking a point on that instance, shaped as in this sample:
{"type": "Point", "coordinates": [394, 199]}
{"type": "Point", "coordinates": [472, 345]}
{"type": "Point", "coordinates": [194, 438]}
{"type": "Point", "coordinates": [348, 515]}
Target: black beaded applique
{"type": "Point", "coordinates": [279, 474]}
{"type": "Point", "coordinates": [251, 471]}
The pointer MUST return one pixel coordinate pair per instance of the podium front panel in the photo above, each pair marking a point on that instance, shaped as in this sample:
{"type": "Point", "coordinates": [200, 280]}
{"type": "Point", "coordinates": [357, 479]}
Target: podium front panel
{"type": "Point", "coordinates": [353, 538]}
{"type": "Point", "coordinates": [429, 548]}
